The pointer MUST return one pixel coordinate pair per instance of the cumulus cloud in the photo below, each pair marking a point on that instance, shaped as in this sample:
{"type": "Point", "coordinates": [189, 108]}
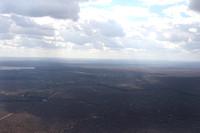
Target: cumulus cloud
{"type": "Point", "coordinates": [110, 28]}
{"type": "Point", "coordinates": [76, 37]}
{"type": "Point", "coordinates": [173, 36]}
{"type": "Point", "coordinates": [23, 21]}
{"type": "Point", "coordinates": [195, 5]}
{"type": "Point", "coordinates": [4, 24]}
{"type": "Point", "coordinates": [35, 43]}
{"type": "Point", "coordinates": [161, 2]}
{"type": "Point", "coordinates": [133, 11]}
{"type": "Point", "coordinates": [96, 41]}
{"type": "Point", "coordinates": [6, 36]}
{"type": "Point", "coordinates": [100, 34]}
{"type": "Point", "coordinates": [97, 2]}
{"type": "Point", "coordinates": [181, 37]}
{"type": "Point", "coordinates": [22, 31]}
{"type": "Point", "coordinates": [26, 26]}
{"type": "Point", "coordinates": [60, 9]}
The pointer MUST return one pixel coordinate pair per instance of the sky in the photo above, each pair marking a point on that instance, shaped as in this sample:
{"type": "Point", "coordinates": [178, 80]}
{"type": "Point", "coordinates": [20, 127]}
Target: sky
{"type": "Point", "coordinates": [101, 29]}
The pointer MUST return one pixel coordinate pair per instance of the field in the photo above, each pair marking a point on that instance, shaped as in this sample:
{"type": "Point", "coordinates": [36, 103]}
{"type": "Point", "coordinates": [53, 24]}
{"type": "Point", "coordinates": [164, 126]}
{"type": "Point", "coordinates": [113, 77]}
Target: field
{"type": "Point", "coordinates": [91, 97]}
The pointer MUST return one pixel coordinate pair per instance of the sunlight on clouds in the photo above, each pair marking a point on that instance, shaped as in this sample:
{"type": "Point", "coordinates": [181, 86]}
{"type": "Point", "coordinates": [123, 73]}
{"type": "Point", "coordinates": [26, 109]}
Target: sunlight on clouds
{"type": "Point", "coordinates": [175, 11]}
{"type": "Point", "coordinates": [133, 11]}
{"type": "Point", "coordinates": [194, 30]}
{"type": "Point", "coordinates": [152, 35]}
{"type": "Point", "coordinates": [169, 45]}
{"type": "Point", "coordinates": [161, 2]}
{"type": "Point", "coordinates": [167, 35]}
{"type": "Point", "coordinates": [97, 2]}
{"type": "Point", "coordinates": [95, 14]}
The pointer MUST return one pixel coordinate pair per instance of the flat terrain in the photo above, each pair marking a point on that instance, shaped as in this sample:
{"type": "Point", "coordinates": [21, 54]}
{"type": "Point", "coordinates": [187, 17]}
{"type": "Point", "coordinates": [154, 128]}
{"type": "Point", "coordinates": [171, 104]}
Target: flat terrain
{"type": "Point", "coordinates": [61, 97]}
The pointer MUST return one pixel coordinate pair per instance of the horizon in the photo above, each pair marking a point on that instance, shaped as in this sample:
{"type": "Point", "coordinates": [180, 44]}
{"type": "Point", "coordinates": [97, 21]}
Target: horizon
{"type": "Point", "coordinates": [94, 59]}
{"type": "Point", "coordinates": [129, 63]}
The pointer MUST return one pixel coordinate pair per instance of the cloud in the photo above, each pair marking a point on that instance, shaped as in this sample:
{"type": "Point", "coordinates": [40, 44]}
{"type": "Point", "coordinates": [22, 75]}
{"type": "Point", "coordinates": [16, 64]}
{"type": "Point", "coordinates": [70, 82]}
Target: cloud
{"type": "Point", "coordinates": [173, 36]}
{"type": "Point", "coordinates": [193, 30]}
{"type": "Point", "coordinates": [161, 2]}
{"type": "Point", "coordinates": [22, 31]}
{"type": "Point", "coordinates": [27, 27]}
{"type": "Point", "coordinates": [76, 37]}
{"type": "Point", "coordinates": [23, 21]}
{"type": "Point", "coordinates": [59, 9]}
{"type": "Point", "coordinates": [175, 11]}
{"type": "Point", "coordinates": [5, 24]}
{"type": "Point", "coordinates": [133, 11]}
{"type": "Point", "coordinates": [6, 36]}
{"type": "Point", "coordinates": [110, 28]}
{"type": "Point", "coordinates": [195, 5]}
{"type": "Point", "coordinates": [97, 2]}
{"type": "Point", "coordinates": [183, 37]}
{"type": "Point", "coordinates": [35, 43]}
{"type": "Point", "coordinates": [101, 26]}
{"type": "Point", "coordinates": [100, 34]}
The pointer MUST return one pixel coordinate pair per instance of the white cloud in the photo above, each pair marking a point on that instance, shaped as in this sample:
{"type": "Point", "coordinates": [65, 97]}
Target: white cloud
{"type": "Point", "coordinates": [161, 2]}
{"type": "Point", "coordinates": [133, 11]}
{"type": "Point", "coordinates": [109, 28]}
{"type": "Point", "coordinates": [194, 30]}
{"type": "Point", "coordinates": [99, 34]}
{"type": "Point", "coordinates": [175, 11]}
{"type": "Point", "coordinates": [97, 2]}
{"type": "Point", "coordinates": [92, 13]}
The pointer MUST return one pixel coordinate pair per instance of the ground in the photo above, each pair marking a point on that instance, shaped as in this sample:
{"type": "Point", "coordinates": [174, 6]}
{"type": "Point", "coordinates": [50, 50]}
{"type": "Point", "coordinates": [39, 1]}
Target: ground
{"type": "Point", "coordinates": [55, 96]}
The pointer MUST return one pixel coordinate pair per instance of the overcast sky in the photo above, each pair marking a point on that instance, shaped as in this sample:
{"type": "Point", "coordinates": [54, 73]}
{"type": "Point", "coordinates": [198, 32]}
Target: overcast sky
{"type": "Point", "coordinates": [106, 29]}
